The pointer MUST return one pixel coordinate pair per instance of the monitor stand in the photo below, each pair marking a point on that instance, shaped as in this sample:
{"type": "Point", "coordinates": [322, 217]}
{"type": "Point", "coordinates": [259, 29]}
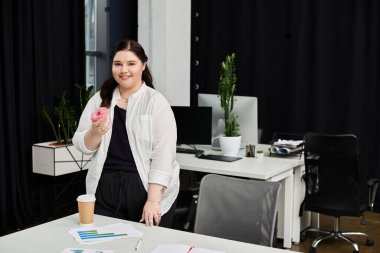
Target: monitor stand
{"type": "Point", "coordinates": [215, 143]}
{"type": "Point", "coordinates": [219, 131]}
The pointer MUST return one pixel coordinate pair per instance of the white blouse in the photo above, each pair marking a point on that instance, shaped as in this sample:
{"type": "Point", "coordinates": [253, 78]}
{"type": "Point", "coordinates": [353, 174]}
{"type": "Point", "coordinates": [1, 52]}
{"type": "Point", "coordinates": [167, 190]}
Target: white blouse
{"type": "Point", "coordinates": [152, 135]}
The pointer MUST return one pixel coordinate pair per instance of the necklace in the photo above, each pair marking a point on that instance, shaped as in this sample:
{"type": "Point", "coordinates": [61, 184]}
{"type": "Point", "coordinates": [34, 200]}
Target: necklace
{"type": "Point", "coordinates": [125, 99]}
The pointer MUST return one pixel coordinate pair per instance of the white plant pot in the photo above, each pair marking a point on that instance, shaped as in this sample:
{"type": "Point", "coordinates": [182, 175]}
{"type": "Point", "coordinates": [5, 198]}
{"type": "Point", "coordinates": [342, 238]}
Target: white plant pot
{"type": "Point", "coordinates": [260, 155]}
{"type": "Point", "coordinates": [230, 145]}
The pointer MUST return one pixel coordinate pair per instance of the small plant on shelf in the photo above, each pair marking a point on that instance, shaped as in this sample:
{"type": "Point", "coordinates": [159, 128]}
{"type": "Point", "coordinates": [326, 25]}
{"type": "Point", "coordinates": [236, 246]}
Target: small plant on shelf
{"type": "Point", "coordinates": [226, 92]}
{"type": "Point", "coordinates": [64, 118]}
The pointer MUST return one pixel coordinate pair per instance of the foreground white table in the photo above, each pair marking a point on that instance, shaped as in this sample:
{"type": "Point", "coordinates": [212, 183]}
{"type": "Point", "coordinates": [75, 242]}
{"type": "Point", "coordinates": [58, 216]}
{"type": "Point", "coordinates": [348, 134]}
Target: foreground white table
{"type": "Point", "coordinates": [53, 237]}
{"type": "Point", "coordinates": [267, 168]}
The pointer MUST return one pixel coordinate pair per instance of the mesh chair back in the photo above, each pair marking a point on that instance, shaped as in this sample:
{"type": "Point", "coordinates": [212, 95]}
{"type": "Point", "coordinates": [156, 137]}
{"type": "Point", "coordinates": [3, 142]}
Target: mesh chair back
{"type": "Point", "coordinates": [332, 174]}
{"type": "Point", "coordinates": [237, 209]}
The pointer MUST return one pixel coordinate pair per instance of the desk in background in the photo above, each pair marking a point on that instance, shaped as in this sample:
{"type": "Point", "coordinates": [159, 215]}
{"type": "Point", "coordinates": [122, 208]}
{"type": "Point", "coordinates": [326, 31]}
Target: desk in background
{"type": "Point", "coordinates": [277, 169]}
{"type": "Point", "coordinates": [53, 237]}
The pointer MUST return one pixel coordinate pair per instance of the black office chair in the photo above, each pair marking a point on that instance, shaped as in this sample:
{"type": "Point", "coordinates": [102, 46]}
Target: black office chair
{"type": "Point", "coordinates": [332, 183]}
{"type": "Point", "coordinates": [187, 200]}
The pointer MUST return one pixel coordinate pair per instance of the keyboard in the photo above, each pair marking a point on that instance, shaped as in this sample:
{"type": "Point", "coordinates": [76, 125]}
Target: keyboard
{"type": "Point", "coordinates": [189, 150]}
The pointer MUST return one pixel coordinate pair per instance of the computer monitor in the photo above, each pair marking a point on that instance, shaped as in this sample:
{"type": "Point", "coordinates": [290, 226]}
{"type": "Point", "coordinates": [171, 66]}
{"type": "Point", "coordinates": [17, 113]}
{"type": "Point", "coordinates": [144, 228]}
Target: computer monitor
{"type": "Point", "coordinates": [245, 107]}
{"type": "Point", "coordinates": [193, 124]}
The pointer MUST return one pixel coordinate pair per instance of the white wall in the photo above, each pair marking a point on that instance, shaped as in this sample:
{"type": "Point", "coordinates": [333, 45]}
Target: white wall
{"type": "Point", "coordinates": [164, 30]}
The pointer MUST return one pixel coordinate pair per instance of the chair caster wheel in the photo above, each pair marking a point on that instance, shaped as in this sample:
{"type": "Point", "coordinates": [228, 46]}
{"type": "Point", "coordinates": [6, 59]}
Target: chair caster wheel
{"type": "Point", "coordinates": [369, 242]}
{"type": "Point", "coordinates": [313, 250]}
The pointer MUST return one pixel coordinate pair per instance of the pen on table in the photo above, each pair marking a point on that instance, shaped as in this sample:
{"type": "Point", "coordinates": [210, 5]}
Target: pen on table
{"type": "Point", "coordinates": [138, 244]}
{"type": "Point", "coordinates": [192, 247]}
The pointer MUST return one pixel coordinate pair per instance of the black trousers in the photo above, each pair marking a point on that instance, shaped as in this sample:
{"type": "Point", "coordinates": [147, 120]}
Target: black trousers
{"type": "Point", "coordinates": [121, 194]}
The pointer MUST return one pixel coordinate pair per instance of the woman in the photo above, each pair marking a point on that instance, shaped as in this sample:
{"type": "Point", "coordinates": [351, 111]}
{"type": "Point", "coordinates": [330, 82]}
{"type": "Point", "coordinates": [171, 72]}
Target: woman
{"type": "Point", "coordinates": [133, 173]}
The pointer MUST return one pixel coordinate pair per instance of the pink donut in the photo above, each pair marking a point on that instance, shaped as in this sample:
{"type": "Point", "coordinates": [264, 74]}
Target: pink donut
{"type": "Point", "coordinates": [99, 113]}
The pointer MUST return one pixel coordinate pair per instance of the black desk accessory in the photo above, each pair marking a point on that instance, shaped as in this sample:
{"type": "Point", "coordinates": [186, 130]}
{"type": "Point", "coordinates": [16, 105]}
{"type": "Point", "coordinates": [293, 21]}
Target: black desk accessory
{"type": "Point", "coordinates": [218, 157]}
{"type": "Point", "coordinates": [189, 151]}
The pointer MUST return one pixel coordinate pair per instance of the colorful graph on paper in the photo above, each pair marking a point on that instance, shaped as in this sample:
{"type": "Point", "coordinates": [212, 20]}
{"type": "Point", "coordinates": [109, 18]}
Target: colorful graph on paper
{"type": "Point", "coordinates": [93, 234]}
{"type": "Point", "coordinates": [105, 233]}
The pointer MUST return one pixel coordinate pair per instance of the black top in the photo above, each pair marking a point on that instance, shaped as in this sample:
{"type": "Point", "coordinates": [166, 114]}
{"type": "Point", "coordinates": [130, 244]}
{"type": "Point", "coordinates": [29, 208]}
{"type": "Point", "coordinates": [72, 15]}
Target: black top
{"type": "Point", "coordinates": [119, 156]}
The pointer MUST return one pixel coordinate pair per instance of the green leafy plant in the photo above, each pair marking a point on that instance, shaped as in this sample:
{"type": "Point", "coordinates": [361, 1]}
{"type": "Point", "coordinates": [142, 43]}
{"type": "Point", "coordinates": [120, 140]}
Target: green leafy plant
{"type": "Point", "coordinates": [63, 119]}
{"type": "Point", "coordinates": [84, 95]}
{"type": "Point", "coordinates": [226, 92]}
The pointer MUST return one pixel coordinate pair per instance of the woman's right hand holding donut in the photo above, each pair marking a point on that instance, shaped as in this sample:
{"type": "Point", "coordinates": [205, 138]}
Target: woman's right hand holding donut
{"type": "Point", "coordinates": [100, 126]}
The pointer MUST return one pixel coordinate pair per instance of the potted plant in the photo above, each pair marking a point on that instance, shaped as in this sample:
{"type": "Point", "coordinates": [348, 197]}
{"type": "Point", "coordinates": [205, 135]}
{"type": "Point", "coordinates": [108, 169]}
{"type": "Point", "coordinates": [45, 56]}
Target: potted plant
{"type": "Point", "coordinates": [259, 153]}
{"type": "Point", "coordinates": [65, 116]}
{"type": "Point", "coordinates": [230, 142]}
{"type": "Point", "coordinates": [60, 156]}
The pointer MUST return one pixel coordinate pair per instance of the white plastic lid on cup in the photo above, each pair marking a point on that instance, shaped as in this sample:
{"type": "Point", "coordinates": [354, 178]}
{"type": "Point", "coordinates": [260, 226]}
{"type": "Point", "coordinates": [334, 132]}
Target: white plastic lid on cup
{"type": "Point", "coordinates": [86, 198]}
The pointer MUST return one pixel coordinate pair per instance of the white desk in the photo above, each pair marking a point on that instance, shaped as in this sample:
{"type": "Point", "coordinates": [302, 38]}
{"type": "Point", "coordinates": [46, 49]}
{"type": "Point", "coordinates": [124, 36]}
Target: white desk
{"type": "Point", "coordinates": [53, 237]}
{"type": "Point", "coordinates": [298, 223]}
{"type": "Point", "coordinates": [268, 168]}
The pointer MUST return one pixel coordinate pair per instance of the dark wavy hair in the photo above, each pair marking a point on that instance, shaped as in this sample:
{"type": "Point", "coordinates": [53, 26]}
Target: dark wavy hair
{"type": "Point", "coordinates": [110, 84]}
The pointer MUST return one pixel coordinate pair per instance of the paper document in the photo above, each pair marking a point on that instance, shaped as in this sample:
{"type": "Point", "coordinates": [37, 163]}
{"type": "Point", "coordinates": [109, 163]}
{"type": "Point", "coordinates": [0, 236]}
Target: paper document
{"type": "Point", "coordinates": [182, 248]}
{"type": "Point", "coordinates": [284, 150]}
{"type": "Point", "coordinates": [106, 233]}
{"type": "Point", "coordinates": [288, 143]}
{"type": "Point", "coordinates": [285, 147]}
{"type": "Point", "coordinates": [76, 250]}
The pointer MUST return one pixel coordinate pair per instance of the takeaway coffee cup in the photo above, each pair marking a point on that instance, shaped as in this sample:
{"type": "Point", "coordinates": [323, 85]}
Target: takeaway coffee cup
{"type": "Point", "coordinates": [86, 205]}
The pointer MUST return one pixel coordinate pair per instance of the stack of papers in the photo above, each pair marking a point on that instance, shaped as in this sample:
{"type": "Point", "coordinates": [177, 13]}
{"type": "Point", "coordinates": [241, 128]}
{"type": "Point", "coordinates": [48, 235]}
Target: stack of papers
{"type": "Point", "coordinates": [288, 143]}
{"type": "Point", "coordinates": [105, 233]}
{"type": "Point", "coordinates": [284, 147]}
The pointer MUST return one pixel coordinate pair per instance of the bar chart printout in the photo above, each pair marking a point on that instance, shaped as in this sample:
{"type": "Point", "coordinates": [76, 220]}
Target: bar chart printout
{"type": "Point", "coordinates": [106, 233]}
{"type": "Point", "coordinates": [93, 234]}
